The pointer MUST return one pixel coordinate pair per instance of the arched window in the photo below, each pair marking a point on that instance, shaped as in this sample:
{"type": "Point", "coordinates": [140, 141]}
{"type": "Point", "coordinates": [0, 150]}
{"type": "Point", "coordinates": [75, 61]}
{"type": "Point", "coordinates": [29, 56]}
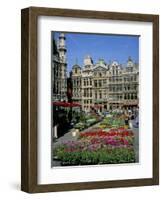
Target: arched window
{"type": "Point", "coordinates": [128, 96]}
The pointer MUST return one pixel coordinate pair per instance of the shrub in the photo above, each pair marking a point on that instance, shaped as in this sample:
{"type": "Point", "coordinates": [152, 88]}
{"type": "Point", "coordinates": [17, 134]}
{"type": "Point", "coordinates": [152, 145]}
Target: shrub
{"type": "Point", "coordinates": [102, 156]}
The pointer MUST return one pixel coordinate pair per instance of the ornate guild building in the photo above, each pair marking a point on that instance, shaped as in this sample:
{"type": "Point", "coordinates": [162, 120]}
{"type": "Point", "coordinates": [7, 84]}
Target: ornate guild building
{"type": "Point", "coordinates": [106, 86]}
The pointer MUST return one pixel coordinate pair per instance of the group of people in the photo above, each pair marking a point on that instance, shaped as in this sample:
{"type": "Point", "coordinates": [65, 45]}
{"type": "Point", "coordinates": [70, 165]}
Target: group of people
{"type": "Point", "coordinates": [132, 115]}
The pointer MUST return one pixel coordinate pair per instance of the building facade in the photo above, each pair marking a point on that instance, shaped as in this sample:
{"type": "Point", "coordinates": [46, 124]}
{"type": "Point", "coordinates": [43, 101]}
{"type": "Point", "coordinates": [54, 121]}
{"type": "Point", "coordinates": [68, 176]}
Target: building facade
{"type": "Point", "coordinates": [59, 69]}
{"type": "Point", "coordinates": [105, 86]}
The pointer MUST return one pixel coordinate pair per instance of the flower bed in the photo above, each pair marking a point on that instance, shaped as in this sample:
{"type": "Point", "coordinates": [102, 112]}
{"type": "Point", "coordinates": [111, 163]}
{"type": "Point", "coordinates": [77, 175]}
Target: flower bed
{"type": "Point", "coordinates": [107, 143]}
{"type": "Point", "coordinates": [113, 122]}
{"type": "Point", "coordinates": [98, 147]}
{"type": "Point", "coordinates": [86, 121]}
{"type": "Point", "coordinates": [111, 132]}
{"type": "Point", "coordinates": [102, 156]}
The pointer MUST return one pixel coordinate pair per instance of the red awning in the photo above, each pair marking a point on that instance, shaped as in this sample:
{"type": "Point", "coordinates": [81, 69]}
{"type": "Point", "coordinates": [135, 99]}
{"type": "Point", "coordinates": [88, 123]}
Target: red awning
{"type": "Point", "coordinates": [74, 104]}
{"type": "Point", "coordinates": [66, 104]}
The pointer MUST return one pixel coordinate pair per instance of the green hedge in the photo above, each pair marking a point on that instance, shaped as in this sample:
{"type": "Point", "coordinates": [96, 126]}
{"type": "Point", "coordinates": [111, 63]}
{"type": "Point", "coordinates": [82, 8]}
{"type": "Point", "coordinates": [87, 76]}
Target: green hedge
{"type": "Point", "coordinates": [103, 156]}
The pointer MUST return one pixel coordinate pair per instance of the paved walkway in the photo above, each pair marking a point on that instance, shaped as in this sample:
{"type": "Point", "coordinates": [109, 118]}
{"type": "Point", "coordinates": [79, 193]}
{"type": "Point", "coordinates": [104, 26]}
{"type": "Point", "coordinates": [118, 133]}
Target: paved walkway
{"type": "Point", "coordinates": [67, 136]}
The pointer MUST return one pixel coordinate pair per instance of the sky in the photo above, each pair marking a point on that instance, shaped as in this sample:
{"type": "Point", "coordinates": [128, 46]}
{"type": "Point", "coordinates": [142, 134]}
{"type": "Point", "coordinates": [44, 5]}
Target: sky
{"type": "Point", "coordinates": [108, 47]}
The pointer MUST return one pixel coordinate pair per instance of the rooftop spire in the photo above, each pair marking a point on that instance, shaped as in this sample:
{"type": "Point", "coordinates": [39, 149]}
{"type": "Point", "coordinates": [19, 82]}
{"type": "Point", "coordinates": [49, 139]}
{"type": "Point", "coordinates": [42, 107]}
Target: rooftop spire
{"type": "Point", "coordinates": [129, 58]}
{"type": "Point", "coordinates": [76, 61]}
